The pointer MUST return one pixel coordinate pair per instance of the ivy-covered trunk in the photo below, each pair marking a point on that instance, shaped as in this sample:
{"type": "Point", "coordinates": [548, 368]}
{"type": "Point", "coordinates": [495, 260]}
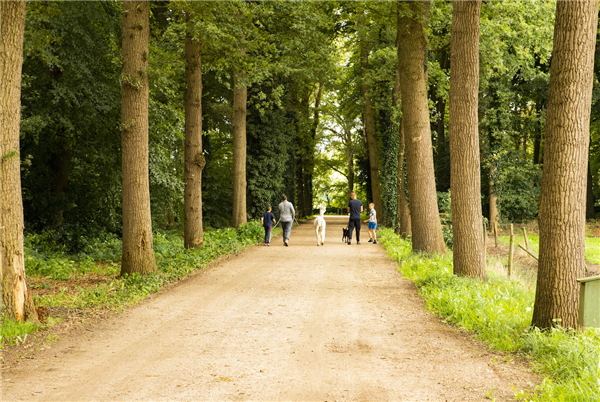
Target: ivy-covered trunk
{"type": "Point", "coordinates": [138, 248]}
{"type": "Point", "coordinates": [369, 125]}
{"type": "Point", "coordinates": [194, 159]}
{"type": "Point", "coordinates": [16, 299]}
{"type": "Point", "coordinates": [562, 200]}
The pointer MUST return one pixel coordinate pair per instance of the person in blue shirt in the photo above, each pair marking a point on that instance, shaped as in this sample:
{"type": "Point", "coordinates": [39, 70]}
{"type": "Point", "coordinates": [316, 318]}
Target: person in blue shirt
{"type": "Point", "coordinates": [267, 221]}
{"type": "Point", "coordinates": [372, 224]}
{"type": "Point", "coordinates": [356, 207]}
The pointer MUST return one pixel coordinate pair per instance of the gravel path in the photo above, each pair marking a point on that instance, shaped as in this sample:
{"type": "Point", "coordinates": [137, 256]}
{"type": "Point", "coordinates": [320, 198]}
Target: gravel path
{"type": "Point", "coordinates": [275, 323]}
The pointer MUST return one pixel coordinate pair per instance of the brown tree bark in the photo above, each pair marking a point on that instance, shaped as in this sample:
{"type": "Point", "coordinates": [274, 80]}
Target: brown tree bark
{"type": "Point", "coordinates": [562, 199]}
{"type": "Point", "coordinates": [138, 248]}
{"type": "Point", "coordinates": [17, 301]}
{"type": "Point", "coordinates": [589, 209]}
{"type": "Point", "coordinates": [426, 226]}
{"type": "Point", "coordinates": [493, 210]}
{"type": "Point", "coordinates": [313, 134]}
{"type": "Point", "coordinates": [402, 208]}
{"type": "Point", "coordinates": [240, 98]}
{"type": "Point", "coordinates": [194, 158]}
{"type": "Point", "coordinates": [465, 177]}
{"type": "Point", "coordinates": [369, 124]}
{"type": "Point", "coordinates": [402, 202]}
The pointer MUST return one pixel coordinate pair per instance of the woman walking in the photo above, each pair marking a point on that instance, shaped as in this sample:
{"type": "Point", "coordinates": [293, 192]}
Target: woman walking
{"type": "Point", "coordinates": [287, 214]}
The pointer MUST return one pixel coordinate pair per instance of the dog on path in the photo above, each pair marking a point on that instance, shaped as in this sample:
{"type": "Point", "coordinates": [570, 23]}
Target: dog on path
{"type": "Point", "coordinates": [345, 235]}
{"type": "Point", "coordinates": [320, 226]}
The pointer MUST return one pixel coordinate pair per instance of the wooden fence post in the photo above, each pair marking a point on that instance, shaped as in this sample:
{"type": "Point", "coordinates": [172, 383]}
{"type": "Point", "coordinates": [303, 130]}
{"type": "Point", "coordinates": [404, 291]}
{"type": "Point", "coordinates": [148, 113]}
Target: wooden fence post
{"type": "Point", "coordinates": [484, 238]}
{"type": "Point", "coordinates": [496, 233]}
{"type": "Point", "coordinates": [526, 240]}
{"type": "Point", "coordinates": [511, 251]}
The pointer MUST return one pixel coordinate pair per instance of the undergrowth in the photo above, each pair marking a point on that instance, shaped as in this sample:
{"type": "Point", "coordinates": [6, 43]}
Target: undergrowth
{"type": "Point", "coordinates": [499, 311]}
{"type": "Point", "coordinates": [102, 258]}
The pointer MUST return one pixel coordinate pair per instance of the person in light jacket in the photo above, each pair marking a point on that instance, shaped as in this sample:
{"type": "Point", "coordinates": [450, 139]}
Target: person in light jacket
{"type": "Point", "coordinates": [287, 214]}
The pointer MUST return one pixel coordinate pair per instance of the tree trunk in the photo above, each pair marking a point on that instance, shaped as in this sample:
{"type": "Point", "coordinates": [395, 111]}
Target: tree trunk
{"type": "Point", "coordinates": [403, 206]}
{"type": "Point", "coordinates": [589, 210]}
{"type": "Point", "coordinates": [426, 226]}
{"type": "Point", "coordinates": [350, 164]}
{"type": "Point", "coordinates": [313, 135]}
{"type": "Point", "coordinates": [465, 177]}
{"type": "Point", "coordinates": [402, 209]}
{"type": "Point", "coordinates": [138, 248]}
{"type": "Point", "coordinates": [369, 126]}
{"type": "Point", "coordinates": [494, 216]}
{"type": "Point", "coordinates": [16, 299]}
{"type": "Point", "coordinates": [240, 98]}
{"type": "Point", "coordinates": [194, 158]}
{"type": "Point", "coordinates": [562, 199]}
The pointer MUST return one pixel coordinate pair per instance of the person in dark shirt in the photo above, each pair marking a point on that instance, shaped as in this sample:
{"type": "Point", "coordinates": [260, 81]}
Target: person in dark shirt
{"type": "Point", "coordinates": [356, 207]}
{"type": "Point", "coordinates": [267, 221]}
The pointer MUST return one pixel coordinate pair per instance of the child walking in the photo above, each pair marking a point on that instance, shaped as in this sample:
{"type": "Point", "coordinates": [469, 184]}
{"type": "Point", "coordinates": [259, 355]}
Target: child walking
{"type": "Point", "coordinates": [372, 224]}
{"type": "Point", "coordinates": [267, 221]}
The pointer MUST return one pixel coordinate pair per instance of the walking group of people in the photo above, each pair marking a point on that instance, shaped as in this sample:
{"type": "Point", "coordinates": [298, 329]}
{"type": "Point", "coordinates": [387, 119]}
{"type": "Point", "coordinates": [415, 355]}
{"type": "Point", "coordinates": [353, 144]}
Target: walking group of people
{"type": "Point", "coordinates": [287, 215]}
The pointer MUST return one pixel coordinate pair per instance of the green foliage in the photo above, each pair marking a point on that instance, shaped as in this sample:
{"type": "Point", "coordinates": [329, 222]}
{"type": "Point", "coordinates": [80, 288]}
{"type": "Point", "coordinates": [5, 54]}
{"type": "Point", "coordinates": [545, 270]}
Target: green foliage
{"type": "Point", "coordinates": [270, 165]}
{"type": "Point", "coordinates": [13, 332]}
{"type": "Point", "coordinates": [499, 311]}
{"type": "Point", "coordinates": [571, 358]}
{"type": "Point", "coordinates": [592, 250]}
{"type": "Point", "coordinates": [173, 260]}
{"type": "Point", "coordinates": [517, 184]}
{"type": "Point", "coordinates": [70, 146]}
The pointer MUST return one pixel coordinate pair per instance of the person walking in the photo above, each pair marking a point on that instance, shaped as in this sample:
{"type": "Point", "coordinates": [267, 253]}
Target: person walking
{"type": "Point", "coordinates": [356, 207]}
{"type": "Point", "coordinates": [287, 214]}
{"type": "Point", "coordinates": [267, 221]}
{"type": "Point", "coordinates": [372, 223]}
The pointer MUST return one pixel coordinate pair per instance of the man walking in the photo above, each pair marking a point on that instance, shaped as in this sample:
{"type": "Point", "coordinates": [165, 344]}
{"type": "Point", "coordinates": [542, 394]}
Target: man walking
{"type": "Point", "coordinates": [287, 214]}
{"type": "Point", "coordinates": [356, 207]}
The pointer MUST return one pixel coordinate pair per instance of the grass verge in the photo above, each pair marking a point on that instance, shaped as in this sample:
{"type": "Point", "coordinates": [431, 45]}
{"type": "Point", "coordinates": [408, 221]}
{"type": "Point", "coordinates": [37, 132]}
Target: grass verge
{"type": "Point", "coordinates": [90, 281]}
{"type": "Point", "coordinates": [499, 311]}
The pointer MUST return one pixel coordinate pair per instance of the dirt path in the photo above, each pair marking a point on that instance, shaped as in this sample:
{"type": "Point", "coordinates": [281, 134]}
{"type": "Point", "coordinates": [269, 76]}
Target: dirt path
{"type": "Point", "coordinates": [279, 323]}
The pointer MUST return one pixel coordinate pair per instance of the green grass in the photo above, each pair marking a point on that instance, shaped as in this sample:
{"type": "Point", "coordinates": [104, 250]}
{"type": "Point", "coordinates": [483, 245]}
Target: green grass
{"type": "Point", "coordinates": [173, 260]}
{"type": "Point", "coordinates": [13, 332]}
{"type": "Point", "coordinates": [45, 260]}
{"type": "Point", "coordinates": [592, 246]}
{"type": "Point", "coordinates": [499, 312]}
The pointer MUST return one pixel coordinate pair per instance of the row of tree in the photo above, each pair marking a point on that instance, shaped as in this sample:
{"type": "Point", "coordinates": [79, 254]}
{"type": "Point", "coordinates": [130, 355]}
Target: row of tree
{"type": "Point", "coordinates": [223, 106]}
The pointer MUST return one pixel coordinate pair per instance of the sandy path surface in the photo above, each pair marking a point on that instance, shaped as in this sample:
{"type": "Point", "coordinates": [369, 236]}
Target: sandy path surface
{"type": "Point", "coordinates": [275, 323]}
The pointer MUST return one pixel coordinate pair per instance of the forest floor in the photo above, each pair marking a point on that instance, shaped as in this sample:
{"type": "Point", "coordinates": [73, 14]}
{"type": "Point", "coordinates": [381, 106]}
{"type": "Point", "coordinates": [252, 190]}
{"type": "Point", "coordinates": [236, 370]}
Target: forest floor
{"type": "Point", "coordinates": [274, 323]}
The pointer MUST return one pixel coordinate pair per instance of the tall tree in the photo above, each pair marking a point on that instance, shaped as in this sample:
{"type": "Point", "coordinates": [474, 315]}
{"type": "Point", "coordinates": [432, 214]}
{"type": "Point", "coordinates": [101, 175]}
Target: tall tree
{"type": "Point", "coordinates": [240, 99]}
{"type": "Point", "coordinates": [17, 301]}
{"type": "Point", "coordinates": [194, 159]}
{"type": "Point", "coordinates": [402, 208]}
{"type": "Point", "coordinates": [138, 248]}
{"type": "Point", "coordinates": [425, 220]}
{"type": "Point", "coordinates": [369, 119]}
{"type": "Point", "coordinates": [404, 228]}
{"type": "Point", "coordinates": [465, 178]}
{"type": "Point", "coordinates": [562, 200]}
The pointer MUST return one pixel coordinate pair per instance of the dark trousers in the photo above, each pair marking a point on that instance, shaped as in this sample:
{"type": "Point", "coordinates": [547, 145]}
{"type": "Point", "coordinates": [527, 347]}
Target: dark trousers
{"type": "Point", "coordinates": [268, 230]}
{"type": "Point", "coordinates": [354, 223]}
{"type": "Point", "coordinates": [287, 230]}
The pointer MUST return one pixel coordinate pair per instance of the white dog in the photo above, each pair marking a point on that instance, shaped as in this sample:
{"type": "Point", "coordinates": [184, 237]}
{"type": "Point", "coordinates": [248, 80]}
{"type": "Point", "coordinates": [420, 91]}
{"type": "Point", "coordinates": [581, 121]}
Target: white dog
{"type": "Point", "coordinates": [320, 225]}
